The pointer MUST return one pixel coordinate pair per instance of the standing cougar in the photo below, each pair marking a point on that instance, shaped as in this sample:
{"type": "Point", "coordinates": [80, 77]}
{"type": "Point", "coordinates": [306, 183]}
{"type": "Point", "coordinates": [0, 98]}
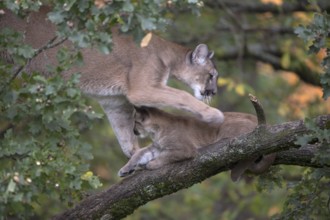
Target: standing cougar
{"type": "Point", "coordinates": [130, 75]}
{"type": "Point", "coordinates": [177, 138]}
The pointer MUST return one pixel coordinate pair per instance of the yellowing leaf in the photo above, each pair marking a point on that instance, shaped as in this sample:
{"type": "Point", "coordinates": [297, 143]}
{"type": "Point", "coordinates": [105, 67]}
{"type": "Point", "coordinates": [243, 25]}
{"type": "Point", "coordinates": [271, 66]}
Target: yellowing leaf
{"type": "Point", "coordinates": [240, 90]}
{"type": "Point", "coordinates": [88, 175]}
{"type": "Point", "coordinates": [145, 41]}
{"type": "Point", "coordinates": [223, 81]}
{"type": "Point", "coordinates": [285, 60]}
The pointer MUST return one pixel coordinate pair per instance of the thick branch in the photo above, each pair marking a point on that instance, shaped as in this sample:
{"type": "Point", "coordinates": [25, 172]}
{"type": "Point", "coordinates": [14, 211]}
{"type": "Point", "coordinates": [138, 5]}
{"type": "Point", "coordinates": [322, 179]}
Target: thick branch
{"type": "Point", "coordinates": [124, 197]}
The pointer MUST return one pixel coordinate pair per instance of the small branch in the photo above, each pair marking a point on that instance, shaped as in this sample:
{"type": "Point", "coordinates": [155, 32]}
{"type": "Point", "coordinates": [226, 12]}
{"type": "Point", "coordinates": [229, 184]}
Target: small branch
{"type": "Point", "coordinates": [50, 44]}
{"type": "Point", "coordinates": [123, 198]}
{"type": "Point", "coordinates": [253, 30]}
{"type": "Point", "coordinates": [15, 156]}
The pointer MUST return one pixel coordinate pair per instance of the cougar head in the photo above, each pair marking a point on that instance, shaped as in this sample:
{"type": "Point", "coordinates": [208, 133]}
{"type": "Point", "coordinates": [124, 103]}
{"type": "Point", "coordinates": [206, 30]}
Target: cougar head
{"type": "Point", "coordinates": [200, 73]}
{"type": "Point", "coordinates": [142, 123]}
{"type": "Point", "coordinates": [147, 121]}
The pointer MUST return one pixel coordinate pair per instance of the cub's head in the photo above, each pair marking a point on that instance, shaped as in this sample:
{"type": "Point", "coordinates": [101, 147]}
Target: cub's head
{"type": "Point", "coordinates": [200, 72]}
{"type": "Point", "coordinates": [146, 121]}
{"type": "Point", "coordinates": [151, 122]}
{"type": "Point", "coordinates": [141, 119]}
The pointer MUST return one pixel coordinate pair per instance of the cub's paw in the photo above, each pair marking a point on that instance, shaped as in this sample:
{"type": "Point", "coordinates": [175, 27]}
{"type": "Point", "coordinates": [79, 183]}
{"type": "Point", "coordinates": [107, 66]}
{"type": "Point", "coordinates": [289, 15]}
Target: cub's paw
{"type": "Point", "coordinates": [213, 116]}
{"type": "Point", "coordinates": [126, 170]}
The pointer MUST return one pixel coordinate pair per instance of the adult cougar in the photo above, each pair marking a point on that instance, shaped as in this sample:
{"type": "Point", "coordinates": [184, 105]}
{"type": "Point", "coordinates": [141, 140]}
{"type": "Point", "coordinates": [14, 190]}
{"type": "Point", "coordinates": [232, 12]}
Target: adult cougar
{"type": "Point", "coordinates": [130, 75]}
{"type": "Point", "coordinates": [177, 138]}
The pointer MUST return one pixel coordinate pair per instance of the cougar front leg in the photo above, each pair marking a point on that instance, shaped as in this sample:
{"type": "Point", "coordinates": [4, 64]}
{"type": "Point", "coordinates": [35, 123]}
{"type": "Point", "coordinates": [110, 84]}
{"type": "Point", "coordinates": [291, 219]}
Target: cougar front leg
{"type": "Point", "coordinates": [169, 97]}
{"type": "Point", "coordinates": [120, 114]}
{"type": "Point", "coordinates": [140, 159]}
{"type": "Point", "coordinates": [172, 154]}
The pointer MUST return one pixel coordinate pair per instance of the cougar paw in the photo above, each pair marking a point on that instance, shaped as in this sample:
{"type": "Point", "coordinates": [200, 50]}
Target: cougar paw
{"type": "Point", "coordinates": [125, 171]}
{"type": "Point", "coordinates": [214, 116]}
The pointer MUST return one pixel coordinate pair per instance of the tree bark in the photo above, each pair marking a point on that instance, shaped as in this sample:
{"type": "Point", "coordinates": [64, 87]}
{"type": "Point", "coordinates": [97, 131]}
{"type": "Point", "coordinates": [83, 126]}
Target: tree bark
{"type": "Point", "coordinates": [123, 198]}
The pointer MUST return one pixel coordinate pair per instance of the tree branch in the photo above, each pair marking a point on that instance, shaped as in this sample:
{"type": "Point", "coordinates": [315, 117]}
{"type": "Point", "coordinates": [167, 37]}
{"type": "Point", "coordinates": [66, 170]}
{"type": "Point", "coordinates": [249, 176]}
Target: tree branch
{"type": "Point", "coordinates": [285, 8]}
{"type": "Point", "coordinates": [302, 157]}
{"type": "Point", "coordinates": [123, 198]}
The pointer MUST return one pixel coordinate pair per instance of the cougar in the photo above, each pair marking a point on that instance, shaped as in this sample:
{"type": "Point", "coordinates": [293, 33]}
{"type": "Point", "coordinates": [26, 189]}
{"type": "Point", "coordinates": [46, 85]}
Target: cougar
{"type": "Point", "coordinates": [177, 138]}
{"type": "Point", "coordinates": [131, 75]}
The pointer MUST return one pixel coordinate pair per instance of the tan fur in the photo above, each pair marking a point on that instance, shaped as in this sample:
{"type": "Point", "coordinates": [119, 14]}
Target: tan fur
{"type": "Point", "coordinates": [177, 138]}
{"type": "Point", "coordinates": [130, 75]}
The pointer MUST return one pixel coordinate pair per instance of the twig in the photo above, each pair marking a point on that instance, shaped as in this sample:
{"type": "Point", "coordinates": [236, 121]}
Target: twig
{"type": "Point", "coordinates": [239, 34]}
{"type": "Point", "coordinates": [15, 156]}
{"type": "Point", "coordinates": [50, 44]}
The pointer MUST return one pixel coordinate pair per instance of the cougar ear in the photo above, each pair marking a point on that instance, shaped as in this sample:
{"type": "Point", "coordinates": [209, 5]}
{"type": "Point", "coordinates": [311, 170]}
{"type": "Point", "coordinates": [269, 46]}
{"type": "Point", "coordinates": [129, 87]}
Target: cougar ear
{"type": "Point", "coordinates": [141, 113]}
{"type": "Point", "coordinates": [200, 54]}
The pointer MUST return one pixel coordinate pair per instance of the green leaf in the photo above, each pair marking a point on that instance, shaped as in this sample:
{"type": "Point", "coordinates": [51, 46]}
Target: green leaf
{"type": "Point", "coordinates": [26, 51]}
{"type": "Point", "coordinates": [11, 186]}
{"type": "Point", "coordinates": [147, 23]}
{"type": "Point", "coordinates": [71, 92]}
{"type": "Point", "coordinates": [68, 4]}
{"type": "Point", "coordinates": [56, 17]}
{"type": "Point", "coordinates": [128, 6]}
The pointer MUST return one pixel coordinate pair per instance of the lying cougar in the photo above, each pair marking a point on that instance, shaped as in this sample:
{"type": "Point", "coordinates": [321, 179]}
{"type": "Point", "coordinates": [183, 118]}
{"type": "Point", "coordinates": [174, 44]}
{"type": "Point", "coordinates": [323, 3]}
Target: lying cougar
{"type": "Point", "coordinates": [130, 75]}
{"type": "Point", "coordinates": [177, 138]}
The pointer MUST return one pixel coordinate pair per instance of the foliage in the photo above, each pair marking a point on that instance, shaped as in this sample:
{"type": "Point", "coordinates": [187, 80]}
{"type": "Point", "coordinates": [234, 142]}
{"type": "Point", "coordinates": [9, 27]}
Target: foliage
{"type": "Point", "coordinates": [310, 195]}
{"type": "Point", "coordinates": [41, 151]}
{"type": "Point", "coordinates": [316, 36]}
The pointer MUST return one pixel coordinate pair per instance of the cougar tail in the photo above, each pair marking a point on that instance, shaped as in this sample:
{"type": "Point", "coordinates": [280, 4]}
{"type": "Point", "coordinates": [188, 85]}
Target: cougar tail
{"type": "Point", "coordinates": [256, 165]}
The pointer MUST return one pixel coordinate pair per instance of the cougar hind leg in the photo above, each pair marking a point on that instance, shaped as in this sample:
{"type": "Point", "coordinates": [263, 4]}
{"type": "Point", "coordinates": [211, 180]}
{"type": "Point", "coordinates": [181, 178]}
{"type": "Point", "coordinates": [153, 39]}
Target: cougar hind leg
{"type": "Point", "coordinates": [120, 114]}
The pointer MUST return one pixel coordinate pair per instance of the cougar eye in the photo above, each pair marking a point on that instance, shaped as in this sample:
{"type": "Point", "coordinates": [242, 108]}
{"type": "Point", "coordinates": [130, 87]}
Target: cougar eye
{"type": "Point", "coordinates": [211, 76]}
{"type": "Point", "coordinates": [213, 73]}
